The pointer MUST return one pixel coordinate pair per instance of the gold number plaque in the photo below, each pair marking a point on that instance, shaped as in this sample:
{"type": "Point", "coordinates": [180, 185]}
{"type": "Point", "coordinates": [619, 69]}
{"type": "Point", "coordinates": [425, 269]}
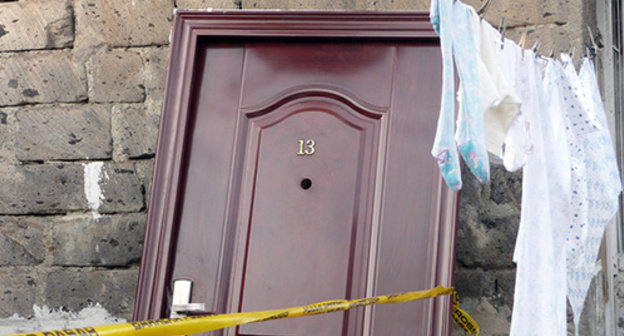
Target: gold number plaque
{"type": "Point", "coordinates": [306, 147]}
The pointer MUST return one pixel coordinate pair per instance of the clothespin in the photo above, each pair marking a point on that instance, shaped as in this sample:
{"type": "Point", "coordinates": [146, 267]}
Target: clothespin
{"type": "Point", "coordinates": [590, 51]}
{"type": "Point", "coordinates": [523, 42]}
{"type": "Point", "coordinates": [572, 52]}
{"type": "Point", "coordinates": [501, 24]}
{"type": "Point", "coordinates": [552, 52]}
{"type": "Point", "coordinates": [593, 49]}
{"type": "Point", "coordinates": [536, 46]}
{"type": "Point", "coordinates": [502, 28]}
{"type": "Point", "coordinates": [484, 8]}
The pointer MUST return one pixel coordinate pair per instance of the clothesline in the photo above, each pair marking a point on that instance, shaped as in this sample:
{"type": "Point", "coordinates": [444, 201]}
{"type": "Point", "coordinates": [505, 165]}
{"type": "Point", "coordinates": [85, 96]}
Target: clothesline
{"type": "Point", "coordinates": [591, 49]}
{"type": "Point", "coordinates": [539, 114]}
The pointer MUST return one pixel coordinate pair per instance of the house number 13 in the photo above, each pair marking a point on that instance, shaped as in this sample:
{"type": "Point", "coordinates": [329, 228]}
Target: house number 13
{"type": "Point", "coordinates": [306, 147]}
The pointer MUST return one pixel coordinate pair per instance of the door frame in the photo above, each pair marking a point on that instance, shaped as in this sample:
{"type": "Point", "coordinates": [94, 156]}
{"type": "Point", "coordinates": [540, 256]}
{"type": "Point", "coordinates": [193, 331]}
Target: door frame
{"type": "Point", "coordinates": [168, 177]}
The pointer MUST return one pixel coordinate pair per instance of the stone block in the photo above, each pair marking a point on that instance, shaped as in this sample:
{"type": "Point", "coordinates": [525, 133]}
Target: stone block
{"type": "Point", "coordinates": [7, 135]}
{"type": "Point", "coordinates": [36, 25]}
{"type": "Point", "coordinates": [486, 242]}
{"type": "Point", "coordinates": [41, 77]}
{"type": "Point", "coordinates": [21, 241]}
{"type": "Point", "coordinates": [98, 241]}
{"type": "Point", "coordinates": [155, 60]}
{"type": "Point", "coordinates": [62, 187]}
{"type": "Point", "coordinates": [70, 132]}
{"type": "Point", "coordinates": [41, 188]}
{"type": "Point", "coordinates": [472, 190]}
{"type": "Point", "coordinates": [20, 291]}
{"type": "Point", "coordinates": [121, 23]}
{"type": "Point", "coordinates": [145, 170]}
{"type": "Point", "coordinates": [505, 187]}
{"type": "Point", "coordinates": [74, 289]}
{"type": "Point", "coordinates": [134, 131]}
{"type": "Point", "coordinates": [121, 189]}
{"type": "Point", "coordinates": [470, 283]}
{"type": "Point", "coordinates": [117, 77]}
{"type": "Point", "coordinates": [495, 285]}
{"type": "Point", "coordinates": [489, 219]}
{"type": "Point", "coordinates": [205, 4]}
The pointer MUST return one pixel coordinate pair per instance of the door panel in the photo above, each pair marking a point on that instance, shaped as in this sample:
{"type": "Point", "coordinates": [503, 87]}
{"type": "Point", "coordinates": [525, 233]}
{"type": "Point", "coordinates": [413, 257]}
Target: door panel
{"type": "Point", "coordinates": [305, 175]}
{"type": "Point", "coordinates": [301, 242]}
{"type": "Point", "coordinates": [411, 208]}
{"type": "Point", "coordinates": [203, 214]}
{"type": "Point", "coordinates": [274, 67]}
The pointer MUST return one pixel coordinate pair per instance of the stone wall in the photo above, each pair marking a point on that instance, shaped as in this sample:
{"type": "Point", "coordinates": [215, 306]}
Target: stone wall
{"type": "Point", "coordinates": [81, 89]}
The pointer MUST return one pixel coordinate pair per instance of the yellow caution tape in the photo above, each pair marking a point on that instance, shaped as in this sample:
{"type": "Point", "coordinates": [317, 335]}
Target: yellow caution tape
{"type": "Point", "coordinates": [462, 318]}
{"type": "Point", "coordinates": [197, 324]}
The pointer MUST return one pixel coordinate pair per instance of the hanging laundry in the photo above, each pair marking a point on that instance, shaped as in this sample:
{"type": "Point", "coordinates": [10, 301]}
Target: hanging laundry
{"type": "Point", "coordinates": [533, 113]}
{"type": "Point", "coordinates": [500, 102]}
{"type": "Point", "coordinates": [539, 300]}
{"type": "Point", "coordinates": [602, 187]}
{"type": "Point", "coordinates": [578, 122]}
{"type": "Point", "coordinates": [444, 149]}
{"type": "Point", "coordinates": [518, 144]}
{"type": "Point", "coordinates": [451, 21]}
{"type": "Point", "coordinates": [519, 141]}
{"type": "Point", "coordinates": [470, 134]}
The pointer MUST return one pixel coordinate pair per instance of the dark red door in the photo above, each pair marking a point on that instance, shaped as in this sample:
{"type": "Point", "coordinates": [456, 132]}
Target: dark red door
{"type": "Point", "coordinates": [306, 176]}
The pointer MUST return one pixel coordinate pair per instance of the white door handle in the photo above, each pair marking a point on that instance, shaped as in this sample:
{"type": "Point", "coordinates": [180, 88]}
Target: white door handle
{"type": "Point", "coordinates": [180, 303]}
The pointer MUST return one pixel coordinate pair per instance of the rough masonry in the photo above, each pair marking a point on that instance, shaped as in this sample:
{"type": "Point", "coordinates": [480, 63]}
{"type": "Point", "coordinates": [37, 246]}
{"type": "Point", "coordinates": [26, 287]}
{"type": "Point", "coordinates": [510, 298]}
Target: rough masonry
{"type": "Point", "coordinates": [81, 86]}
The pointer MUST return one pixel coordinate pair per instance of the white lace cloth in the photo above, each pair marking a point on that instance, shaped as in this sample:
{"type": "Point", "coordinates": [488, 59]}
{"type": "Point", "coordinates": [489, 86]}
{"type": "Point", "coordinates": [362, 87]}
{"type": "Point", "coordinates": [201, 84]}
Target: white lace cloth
{"type": "Point", "coordinates": [602, 183]}
{"type": "Point", "coordinates": [539, 298]}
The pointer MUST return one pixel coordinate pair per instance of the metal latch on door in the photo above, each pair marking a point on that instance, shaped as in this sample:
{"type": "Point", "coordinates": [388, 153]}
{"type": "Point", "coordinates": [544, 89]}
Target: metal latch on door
{"type": "Point", "coordinates": [180, 305]}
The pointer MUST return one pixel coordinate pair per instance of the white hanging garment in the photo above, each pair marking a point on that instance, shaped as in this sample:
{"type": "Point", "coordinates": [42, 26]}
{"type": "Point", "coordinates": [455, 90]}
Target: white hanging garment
{"type": "Point", "coordinates": [507, 52]}
{"type": "Point", "coordinates": [499, 102]}
{"type": "Point", "coordinates": [518, 141]}
{"type": "Point", "coordinates": [504, 104]}
{"type": "Point", "coordinates": [540, 291]}
{"type": "Point", "coordinates": [579, 123]}
{"type": "Point", "coordinates": [603, 185]}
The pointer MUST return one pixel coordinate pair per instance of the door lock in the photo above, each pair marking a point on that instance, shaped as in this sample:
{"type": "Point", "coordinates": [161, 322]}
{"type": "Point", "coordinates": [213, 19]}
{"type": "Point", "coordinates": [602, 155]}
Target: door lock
{"type": "Point", "coordinates": [180, 303]}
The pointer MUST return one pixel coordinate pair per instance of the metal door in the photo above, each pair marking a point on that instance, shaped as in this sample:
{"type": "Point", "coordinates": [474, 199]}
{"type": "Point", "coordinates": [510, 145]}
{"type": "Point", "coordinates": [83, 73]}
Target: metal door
{"type": "Point", "coordinates": [304, 175]}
